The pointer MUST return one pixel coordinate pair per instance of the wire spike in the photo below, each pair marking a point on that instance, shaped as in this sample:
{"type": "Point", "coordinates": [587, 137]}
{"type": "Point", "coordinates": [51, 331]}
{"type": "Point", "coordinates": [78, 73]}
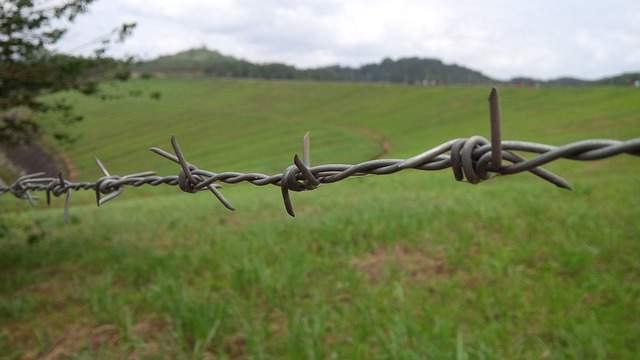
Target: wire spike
{"type": "Point", "coordinates": [67, 200]}
{"type": "Point", "coordinates": [496, 137]}
{"type": "Point", "coordinates": [101, 166]}
{"type": "Point", "coordinates": [306, 149]}
{"type": "Point", "coordinates": [310, 180]}
{"type": "Point", "coordinates": [165, 154]}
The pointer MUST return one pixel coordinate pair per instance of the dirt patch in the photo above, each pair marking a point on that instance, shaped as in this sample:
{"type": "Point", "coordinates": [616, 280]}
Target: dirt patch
{"type": "Point", "coordinates": [78, 337]}
{"type": "Point", "coordinates": [33, 158]}
{"type": "Point", "coordinates": [418, 263]}
{"type": "Point", "coordinates": [235, 346]}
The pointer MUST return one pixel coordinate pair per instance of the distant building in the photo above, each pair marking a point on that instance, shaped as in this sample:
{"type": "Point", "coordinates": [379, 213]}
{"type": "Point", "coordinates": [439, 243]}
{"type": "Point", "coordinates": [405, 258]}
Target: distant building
{"type": "Point", "coordinates": [636, 83]}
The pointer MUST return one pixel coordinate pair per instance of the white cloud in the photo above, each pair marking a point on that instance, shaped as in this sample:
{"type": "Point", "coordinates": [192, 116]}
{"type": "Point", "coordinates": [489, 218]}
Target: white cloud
{"type": "Point", "coordinates": [498, 37]}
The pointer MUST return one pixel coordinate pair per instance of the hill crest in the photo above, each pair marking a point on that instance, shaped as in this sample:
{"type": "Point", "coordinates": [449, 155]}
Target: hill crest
{"type": "Point", "coordinates": [410, 70]}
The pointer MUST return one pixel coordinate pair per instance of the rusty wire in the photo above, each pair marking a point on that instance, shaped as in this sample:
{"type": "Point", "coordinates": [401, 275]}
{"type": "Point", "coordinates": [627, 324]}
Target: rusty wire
{"type": "Point", "coordinates": [472, 159]}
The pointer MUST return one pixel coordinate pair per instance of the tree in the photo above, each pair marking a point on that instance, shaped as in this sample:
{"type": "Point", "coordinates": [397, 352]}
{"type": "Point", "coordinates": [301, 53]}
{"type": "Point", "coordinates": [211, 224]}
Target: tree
{"type": "Point", "coordinates": [29, 68]}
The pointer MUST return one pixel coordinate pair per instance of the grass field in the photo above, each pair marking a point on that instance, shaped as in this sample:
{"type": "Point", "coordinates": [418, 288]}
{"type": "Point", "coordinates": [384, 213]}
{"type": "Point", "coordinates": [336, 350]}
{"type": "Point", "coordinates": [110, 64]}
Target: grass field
{"type": "Point", "coordinates": [408, 266]}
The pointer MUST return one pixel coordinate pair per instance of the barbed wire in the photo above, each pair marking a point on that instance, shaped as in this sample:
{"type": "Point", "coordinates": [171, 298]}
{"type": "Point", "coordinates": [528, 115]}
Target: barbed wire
{"type": "Point", "coordinates": [473, 159]}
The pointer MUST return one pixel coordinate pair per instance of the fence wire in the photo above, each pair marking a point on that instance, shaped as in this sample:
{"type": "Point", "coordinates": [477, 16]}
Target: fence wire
{"type": "Point", "coordinates": [472, 159]}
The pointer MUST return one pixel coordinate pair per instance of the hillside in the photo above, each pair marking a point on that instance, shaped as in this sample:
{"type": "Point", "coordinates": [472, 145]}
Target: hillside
{"type": "Point", "coordinates": [414, 70]}
{"type": "Point", "coordinates": [512, 268]}
{"type": "Point", "coordinates": [205, 62]}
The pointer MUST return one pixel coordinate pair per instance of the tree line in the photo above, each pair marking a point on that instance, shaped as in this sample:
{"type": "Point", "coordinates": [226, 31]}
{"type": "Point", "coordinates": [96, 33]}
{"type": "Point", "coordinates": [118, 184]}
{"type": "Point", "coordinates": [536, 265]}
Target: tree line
{"type": "Point", "coordinates": [412, 70]}
{"type": "Point", "coordinates": [406, 70]}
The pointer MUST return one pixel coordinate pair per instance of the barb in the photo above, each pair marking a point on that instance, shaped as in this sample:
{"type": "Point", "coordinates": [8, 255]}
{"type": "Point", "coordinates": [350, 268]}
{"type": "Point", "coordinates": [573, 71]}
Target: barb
{"type": "Point", "coordinates": [473, 159]}
{"type": "Point", "coordinates": [496, 137]}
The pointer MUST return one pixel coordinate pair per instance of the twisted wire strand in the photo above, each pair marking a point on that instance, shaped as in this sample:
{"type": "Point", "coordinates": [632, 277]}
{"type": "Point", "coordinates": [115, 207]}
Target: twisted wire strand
{"type": "Point", "coordinates": [473, 159]}
{"type": "Point", "coordinates": [470, 159]}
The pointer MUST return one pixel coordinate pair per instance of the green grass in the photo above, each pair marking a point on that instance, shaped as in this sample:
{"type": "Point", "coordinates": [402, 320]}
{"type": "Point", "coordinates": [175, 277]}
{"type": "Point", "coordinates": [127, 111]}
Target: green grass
{"type": "Point", "coordinates": [413, 265]}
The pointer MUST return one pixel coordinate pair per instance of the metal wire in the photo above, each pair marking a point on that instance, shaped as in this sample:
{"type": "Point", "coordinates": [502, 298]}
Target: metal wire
{"type": "Point", "coordinates": [472, 159]}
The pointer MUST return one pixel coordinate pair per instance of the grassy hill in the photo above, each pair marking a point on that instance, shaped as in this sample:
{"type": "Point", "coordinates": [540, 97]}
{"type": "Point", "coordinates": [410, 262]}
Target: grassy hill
{"type": "Point", "coordinates": [205, 62]}
{"type": "Point", "coordinates": [414, 70]}
{"type": "Point", "coordinates": [238, 122]}
{"type": "Point", "coordinates": [411, 265]}
{"type": "Point", "coordinates": [195, 60]}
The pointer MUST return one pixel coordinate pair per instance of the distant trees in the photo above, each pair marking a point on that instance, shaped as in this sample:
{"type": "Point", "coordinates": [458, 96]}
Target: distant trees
{"type": "Point", "coordinates": [413, 70]}
{"type": "Point", "coordinates": [408, 70]}
{"type": "Point", "coordinates": [29, 68]}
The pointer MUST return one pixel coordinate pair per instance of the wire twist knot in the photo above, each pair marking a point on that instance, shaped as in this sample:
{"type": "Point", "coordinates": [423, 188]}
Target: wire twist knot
{"type": "Point", "coordinates": [297, 177]}
{"type": "Point", "coordinates": [189, 178]}
{"type": "Point", "coordinates": [110, 186]}
{"type": "Point", "coordinates": [188, 182]}
{"type": "Point", "coordinates": [58, 187]}
{"type": "Point", "coordinates": [470, 164]}
{"type": "Point", "coordinates": [20, 188]}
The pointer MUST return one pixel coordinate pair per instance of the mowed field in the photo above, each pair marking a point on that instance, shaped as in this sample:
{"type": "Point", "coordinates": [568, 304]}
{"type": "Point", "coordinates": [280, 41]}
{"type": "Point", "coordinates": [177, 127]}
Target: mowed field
{"type": "Point", "coordinates": [407, 266]}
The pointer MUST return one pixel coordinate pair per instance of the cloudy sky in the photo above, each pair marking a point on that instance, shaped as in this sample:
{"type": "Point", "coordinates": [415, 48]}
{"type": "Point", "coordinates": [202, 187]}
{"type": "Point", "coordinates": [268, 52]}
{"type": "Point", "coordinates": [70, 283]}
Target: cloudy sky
{"type": "Point", "coordinates": [502, 38]}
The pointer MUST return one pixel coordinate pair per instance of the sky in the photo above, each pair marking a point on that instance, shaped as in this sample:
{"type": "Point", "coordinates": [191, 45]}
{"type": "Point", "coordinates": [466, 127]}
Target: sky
{"type": "Point", "coordinates": [545, 39]}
